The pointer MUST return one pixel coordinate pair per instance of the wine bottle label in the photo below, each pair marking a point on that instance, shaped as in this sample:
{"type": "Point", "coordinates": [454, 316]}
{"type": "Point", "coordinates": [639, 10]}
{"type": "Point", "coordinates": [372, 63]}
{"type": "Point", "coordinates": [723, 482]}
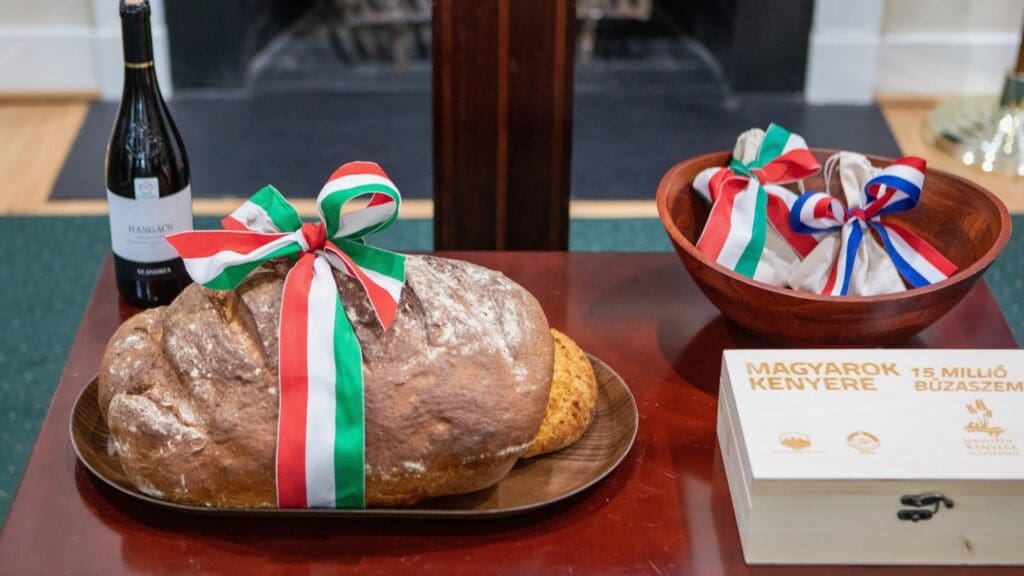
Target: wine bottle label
{"type": "Point", "coordinates": [138, 225]}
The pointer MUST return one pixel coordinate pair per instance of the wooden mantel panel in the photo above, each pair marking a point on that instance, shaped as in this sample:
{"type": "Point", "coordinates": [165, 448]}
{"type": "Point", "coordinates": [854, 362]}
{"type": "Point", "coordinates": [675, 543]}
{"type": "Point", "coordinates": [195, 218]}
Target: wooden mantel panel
{"type": "Point", "coordinates": [503, 75]}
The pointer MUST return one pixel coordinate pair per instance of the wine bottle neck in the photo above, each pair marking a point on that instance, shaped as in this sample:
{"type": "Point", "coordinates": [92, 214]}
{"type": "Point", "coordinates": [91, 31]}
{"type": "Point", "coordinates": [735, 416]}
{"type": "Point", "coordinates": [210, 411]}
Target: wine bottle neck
{"type": "Point", "coordinates": [141, 78]}
{"type": "Point", "coordinates": [137, 40]}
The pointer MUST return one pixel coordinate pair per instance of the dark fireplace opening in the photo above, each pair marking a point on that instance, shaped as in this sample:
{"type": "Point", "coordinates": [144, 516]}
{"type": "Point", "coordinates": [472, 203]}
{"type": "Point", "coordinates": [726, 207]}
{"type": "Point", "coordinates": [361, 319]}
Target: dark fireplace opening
{"type": "Point", "coordinates": [281, 91]}
{"type": "Point", "coordinates": [706, 47]}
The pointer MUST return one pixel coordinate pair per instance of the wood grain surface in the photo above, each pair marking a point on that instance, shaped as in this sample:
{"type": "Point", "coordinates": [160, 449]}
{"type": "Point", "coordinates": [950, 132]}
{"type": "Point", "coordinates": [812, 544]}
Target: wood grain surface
{"type": "Point", "coordinates": [665, 509]}
{"type": "Point", "coordinates": [37, 138]}
{"type": "Point", "coordinates": [965, 222]}
{"type": "Point", "coordinates": [502, 106]}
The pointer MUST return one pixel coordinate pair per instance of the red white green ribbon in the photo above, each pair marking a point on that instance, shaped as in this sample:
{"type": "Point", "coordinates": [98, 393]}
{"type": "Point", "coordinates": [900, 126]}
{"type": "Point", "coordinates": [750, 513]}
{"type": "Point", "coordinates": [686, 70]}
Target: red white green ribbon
{"type": "Point", "coordinates": [745, 198]}
{"type": "Point", "coordinates": [320, 436]}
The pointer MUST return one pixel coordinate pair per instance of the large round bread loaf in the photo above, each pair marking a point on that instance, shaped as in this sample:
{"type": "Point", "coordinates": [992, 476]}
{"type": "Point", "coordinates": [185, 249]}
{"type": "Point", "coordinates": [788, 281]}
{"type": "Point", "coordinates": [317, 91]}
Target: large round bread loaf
{"type": "Point", "coordinates": [454, 392]}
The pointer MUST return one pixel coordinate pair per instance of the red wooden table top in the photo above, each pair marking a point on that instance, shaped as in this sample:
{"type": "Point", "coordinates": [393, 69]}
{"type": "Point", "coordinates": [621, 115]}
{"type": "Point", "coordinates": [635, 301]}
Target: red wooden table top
{"type": "Point", "coordinates": [666, 509]}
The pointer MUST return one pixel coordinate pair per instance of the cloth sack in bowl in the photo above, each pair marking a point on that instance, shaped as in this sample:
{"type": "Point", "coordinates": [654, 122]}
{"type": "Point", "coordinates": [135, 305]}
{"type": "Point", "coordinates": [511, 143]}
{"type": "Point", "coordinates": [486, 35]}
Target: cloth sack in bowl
{"type": "Point", "coordinates": [849, 260]}
{"type": "Point", "coordinates": [748, 230]}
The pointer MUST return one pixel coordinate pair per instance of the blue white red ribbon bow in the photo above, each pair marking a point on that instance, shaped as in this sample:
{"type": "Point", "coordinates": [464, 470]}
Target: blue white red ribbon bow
{"type": "Point", "coordinates": [320, 437]}
{"type": "Point", "coordinates": [896, 188]}
{"type": "Point", "coordinates": [745, 198]}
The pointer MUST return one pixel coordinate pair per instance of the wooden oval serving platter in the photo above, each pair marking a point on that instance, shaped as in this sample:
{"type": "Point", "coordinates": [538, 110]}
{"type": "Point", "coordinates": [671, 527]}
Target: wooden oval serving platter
{"type": "Point", "coordinates": [532, 483]}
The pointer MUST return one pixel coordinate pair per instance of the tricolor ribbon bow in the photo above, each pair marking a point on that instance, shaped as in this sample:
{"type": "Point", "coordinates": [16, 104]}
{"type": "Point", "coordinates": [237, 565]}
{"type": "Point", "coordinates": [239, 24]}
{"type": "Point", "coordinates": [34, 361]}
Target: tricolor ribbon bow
{"type": "Point", "coordinates": [320, 437]}
{"type": "Point", "coordinates": [747, 195]}
{"type": "Point", "coordinates": [895, 188]}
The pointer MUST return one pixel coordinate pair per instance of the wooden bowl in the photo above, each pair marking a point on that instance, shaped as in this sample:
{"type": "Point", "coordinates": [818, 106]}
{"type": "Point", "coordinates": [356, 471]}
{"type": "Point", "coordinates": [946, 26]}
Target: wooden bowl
{"type": "Point", "coordinates": [965, 222]}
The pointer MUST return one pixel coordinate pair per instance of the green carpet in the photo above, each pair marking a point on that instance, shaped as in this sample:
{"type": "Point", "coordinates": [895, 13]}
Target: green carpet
{"type": "Point", "coordinates": [48, 266]}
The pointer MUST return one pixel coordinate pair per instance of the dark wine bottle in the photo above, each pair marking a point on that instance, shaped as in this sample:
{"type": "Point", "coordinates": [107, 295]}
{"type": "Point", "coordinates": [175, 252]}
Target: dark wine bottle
{"type": "Point", "coordinates": [148, 184]}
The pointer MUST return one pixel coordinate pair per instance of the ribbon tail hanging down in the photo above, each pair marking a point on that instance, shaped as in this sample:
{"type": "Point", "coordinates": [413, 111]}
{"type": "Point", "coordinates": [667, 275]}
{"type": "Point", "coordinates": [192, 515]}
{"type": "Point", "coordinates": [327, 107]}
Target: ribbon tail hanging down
{"type": "Point", "coordinates": [838, 283]}
{"type": "Point", "coordinates": [320, 458]}
{"type": "Point", "coordinates": [917, 261]}
{"type": "Point", "coordinates": [735, 233]}
{"type": "Point", "coordinates": [897, 188]}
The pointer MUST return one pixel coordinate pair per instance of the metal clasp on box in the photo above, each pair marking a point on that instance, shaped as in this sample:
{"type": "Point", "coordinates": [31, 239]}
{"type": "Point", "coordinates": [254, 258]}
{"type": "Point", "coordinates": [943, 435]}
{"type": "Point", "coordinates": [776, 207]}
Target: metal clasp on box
{"type": "Point", "coordinates": [920, 503]}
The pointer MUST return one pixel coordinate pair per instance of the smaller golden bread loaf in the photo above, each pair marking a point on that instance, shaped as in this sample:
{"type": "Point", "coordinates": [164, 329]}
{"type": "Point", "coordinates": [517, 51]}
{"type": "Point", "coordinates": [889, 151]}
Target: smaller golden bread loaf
{"type": "Point", "coordinates": [572, 402]}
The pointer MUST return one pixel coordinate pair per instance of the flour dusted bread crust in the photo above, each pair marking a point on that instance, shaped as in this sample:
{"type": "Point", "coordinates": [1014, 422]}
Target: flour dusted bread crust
{"type": "Point", "coordinates": [455, 391]}
{"type": "Point", "coordinates": [572, 402]}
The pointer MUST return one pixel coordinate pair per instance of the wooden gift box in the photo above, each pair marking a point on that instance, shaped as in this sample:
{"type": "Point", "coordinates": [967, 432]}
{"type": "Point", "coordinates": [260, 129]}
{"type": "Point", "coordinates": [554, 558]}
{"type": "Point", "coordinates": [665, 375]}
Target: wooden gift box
{"type": "Point", "coordinates": [875, 456]}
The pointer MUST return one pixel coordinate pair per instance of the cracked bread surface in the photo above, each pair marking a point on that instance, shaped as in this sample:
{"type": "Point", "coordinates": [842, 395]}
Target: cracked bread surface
{"type": "Point", "coordinates": [454, 393]}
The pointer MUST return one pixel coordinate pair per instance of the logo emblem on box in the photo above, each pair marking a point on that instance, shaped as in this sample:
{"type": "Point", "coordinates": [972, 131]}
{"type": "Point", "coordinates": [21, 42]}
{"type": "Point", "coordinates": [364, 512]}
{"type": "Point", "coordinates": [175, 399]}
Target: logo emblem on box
{"type": "Point", "coordinates": [981, 420]}
{"type": "Point", "coordinates": [863, 442]}
{"type": "Point", "coordinates": [794, 440]}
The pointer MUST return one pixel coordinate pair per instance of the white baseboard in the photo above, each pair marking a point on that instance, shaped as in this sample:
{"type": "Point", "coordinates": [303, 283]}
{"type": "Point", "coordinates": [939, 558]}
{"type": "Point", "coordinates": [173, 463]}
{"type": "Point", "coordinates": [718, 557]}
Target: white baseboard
{"type": "Point", "coordinates": [47, 59]}
{"type": "Point", "coordinates": [854, 68]}
{"type": "Point", "coordinates": [937, 64]}
{"type": "Point", "coordinates": [72, 59]}
{"type": "Point", "coordinates": [841, 67]}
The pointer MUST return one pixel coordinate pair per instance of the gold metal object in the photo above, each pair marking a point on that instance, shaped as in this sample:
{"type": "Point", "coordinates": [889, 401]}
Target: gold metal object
{"type": "Point", "coordinates": [138, 65]}
{"type": "Point", "coordinates": [983, 133]}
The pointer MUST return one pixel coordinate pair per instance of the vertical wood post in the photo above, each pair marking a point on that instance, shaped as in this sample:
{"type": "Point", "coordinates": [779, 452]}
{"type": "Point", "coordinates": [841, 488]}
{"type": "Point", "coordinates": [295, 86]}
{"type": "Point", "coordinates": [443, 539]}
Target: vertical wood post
{"type": "Point", "coordinates": [1019, 69]}
{"type": "Point", "coordinates": [502, 98]}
